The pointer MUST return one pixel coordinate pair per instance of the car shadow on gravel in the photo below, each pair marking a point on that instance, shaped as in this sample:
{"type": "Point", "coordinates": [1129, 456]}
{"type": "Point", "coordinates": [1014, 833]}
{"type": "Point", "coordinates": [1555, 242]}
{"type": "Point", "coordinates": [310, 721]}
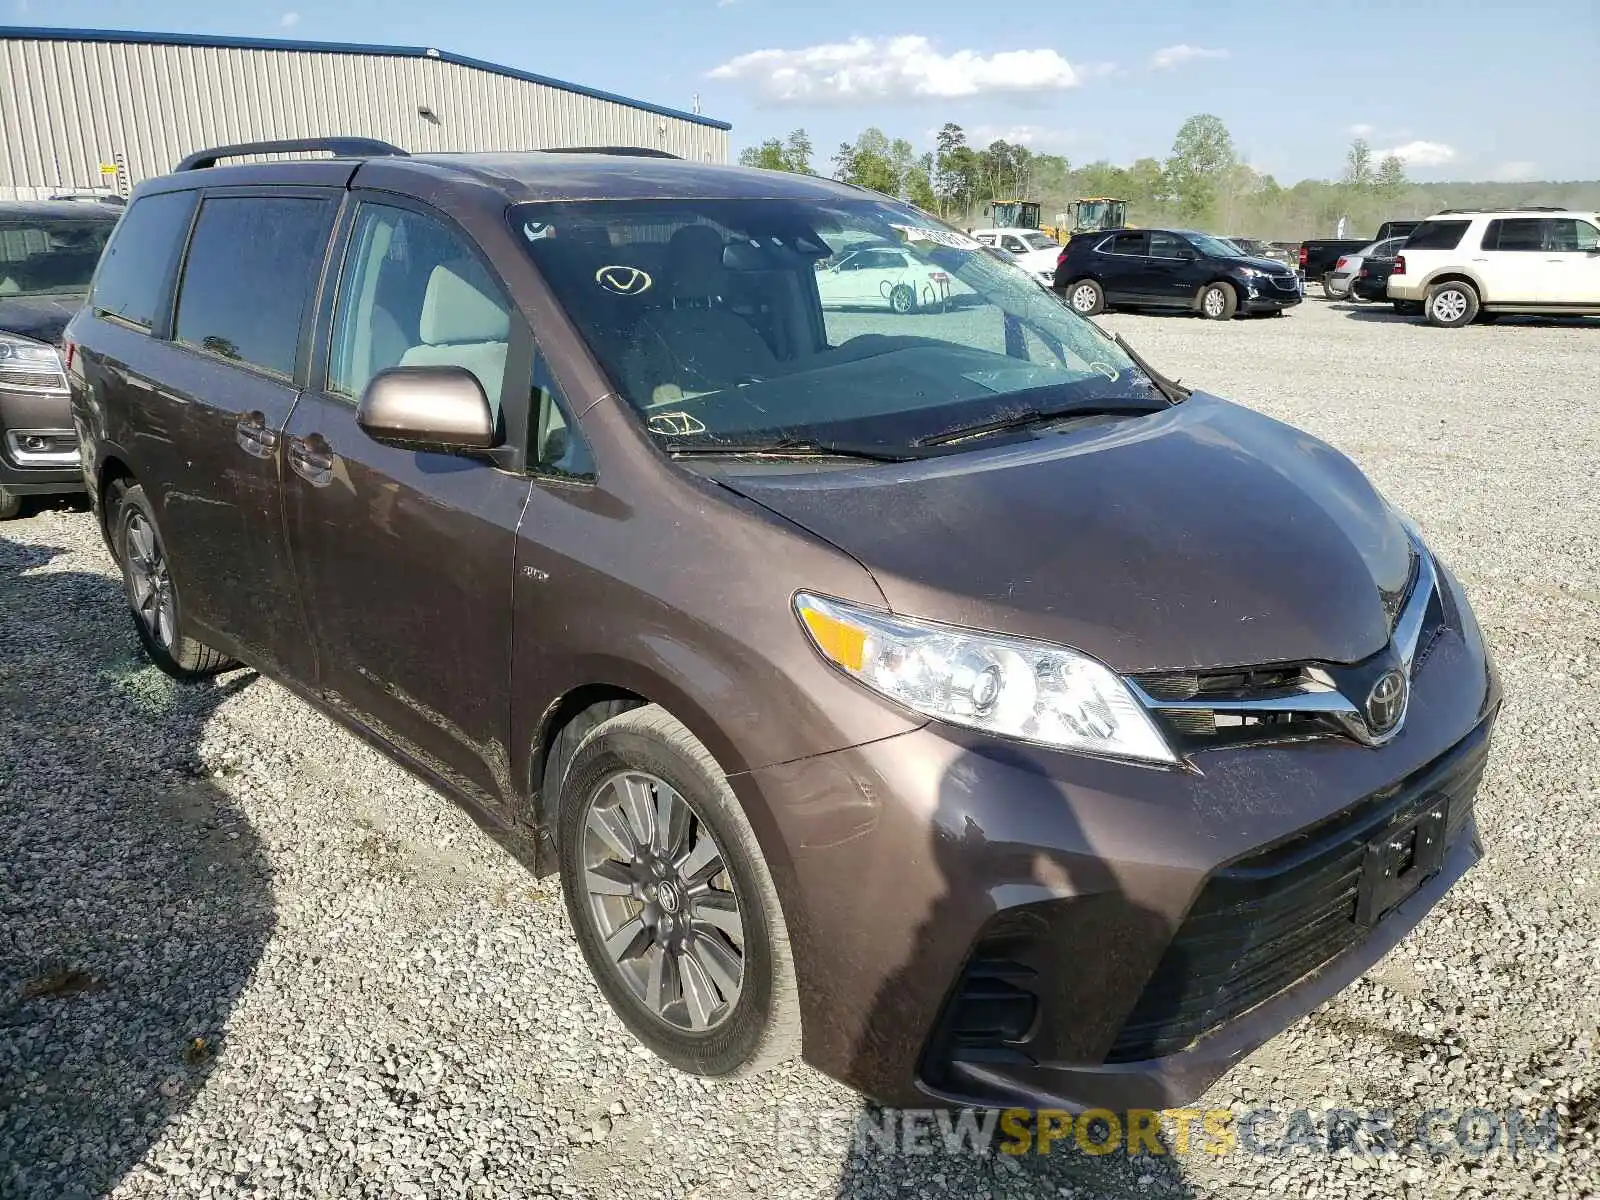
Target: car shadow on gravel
{"type": "Point", "coordinates": [135, 898]}
{"type": "Point", "coordinates": [1011, 1165]}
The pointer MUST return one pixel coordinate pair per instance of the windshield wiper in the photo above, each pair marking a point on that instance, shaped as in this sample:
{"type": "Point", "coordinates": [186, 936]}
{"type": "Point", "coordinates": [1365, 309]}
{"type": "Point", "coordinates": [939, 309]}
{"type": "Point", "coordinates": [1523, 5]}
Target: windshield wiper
{"type": "Point", "coordinates": [791, 448]}
{"type": "Point", "coordinates": [1170, 388]}
{"type": "Point", "coordinates": [1025, 417]}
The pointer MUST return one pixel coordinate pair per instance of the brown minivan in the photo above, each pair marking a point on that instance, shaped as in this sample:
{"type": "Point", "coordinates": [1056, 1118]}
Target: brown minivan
{"type": "Point", "coordinates": [897, 670]}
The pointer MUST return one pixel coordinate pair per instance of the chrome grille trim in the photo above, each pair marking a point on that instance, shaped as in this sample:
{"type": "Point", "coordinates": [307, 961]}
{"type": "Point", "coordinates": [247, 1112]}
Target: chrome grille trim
{"type": "Point", "coordinates": [1314, 695]}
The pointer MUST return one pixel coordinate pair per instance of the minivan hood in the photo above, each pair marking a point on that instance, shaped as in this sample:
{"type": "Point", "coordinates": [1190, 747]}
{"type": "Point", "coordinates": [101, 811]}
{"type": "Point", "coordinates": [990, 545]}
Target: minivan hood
{"type": "Point", "coordinates": [42, 318]}
{"type": "Point", "coordinates": [1206, 535]}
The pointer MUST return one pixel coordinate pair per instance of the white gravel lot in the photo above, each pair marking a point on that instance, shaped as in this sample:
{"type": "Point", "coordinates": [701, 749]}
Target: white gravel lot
{"type": "Point", "coordinates": [242, 955]}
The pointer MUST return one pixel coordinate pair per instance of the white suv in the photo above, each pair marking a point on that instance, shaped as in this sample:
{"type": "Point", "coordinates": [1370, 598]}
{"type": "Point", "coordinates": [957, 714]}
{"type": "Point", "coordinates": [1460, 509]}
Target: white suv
{"type": "Point", "coordinates": [1461, 266]}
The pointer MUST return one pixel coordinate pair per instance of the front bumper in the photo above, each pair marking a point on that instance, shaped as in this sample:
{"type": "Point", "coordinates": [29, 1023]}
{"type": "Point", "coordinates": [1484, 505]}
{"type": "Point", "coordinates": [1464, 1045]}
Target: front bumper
{"type": "Point", "coordinates": [38, 448]}
{"type": "Point", "coordinates": [939, 864]}
{"type": "Point", "coordinates": [1264, 295]}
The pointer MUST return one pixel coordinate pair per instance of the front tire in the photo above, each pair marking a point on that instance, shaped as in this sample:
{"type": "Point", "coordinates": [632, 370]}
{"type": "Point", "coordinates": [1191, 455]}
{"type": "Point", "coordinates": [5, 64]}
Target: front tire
{"type": "Point", "coordinates": [1451, 305]}
{"type": "Point", "coordinates": [671, 900]}
{"type": "Point", "coordinates": [1219, 302]}
{"type": "Point", "coordinates": [902, 299]}
{"type": "Point", "coordinates": [152, 593]}
{"type": "Point", "coordinates": [10, 504]}
{"type": "Point", "coordinates": [1086, 298]}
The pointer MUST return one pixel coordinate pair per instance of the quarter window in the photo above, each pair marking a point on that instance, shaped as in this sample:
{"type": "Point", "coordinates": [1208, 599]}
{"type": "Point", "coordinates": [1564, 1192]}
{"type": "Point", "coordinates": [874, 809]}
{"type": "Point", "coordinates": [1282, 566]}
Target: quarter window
{"type": "Point", "coordinates": [131, 282]}
{"type": "Point", "coordinates": [414, 293]}
{"type": "Point", "coordinates": [252, 266]}
{"type": "Point", "coordinates": [559, 447]}
{"type": "Point", "coordinates": [1437, 235]}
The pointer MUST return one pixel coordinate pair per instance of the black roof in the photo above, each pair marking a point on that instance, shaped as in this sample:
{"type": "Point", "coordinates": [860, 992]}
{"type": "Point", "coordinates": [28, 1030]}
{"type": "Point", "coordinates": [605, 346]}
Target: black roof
{"type": "Point", "coordinates": [84, 210]}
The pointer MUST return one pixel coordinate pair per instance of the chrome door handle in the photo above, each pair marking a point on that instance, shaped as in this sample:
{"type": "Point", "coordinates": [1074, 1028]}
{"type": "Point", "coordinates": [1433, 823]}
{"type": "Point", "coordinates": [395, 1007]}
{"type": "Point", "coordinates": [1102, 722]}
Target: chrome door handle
{"type": "Point", "coordinates": [312, 459]}
{"type": "Point", "coordinates": [253, 436]}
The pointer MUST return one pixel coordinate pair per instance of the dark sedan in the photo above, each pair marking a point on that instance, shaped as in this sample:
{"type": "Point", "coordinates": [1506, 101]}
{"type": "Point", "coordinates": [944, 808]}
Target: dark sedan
{"type": "Point", "coordinates": [1171, 268]}
{"type": "Point", "coordinates": [48, 252]}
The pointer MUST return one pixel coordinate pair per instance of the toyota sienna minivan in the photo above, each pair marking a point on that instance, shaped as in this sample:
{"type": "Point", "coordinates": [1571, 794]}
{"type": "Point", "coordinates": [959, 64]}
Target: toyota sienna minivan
{"type": "Point", "coordinates": [943, 695]}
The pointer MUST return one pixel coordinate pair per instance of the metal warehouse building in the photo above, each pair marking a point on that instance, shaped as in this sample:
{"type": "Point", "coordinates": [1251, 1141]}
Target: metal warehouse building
{"type": "Point", "coordinates": [99, 109]}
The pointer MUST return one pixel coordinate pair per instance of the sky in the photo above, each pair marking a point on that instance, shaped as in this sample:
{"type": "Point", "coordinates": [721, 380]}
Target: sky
{"type": "Point", "coordinates": [1459, 89]}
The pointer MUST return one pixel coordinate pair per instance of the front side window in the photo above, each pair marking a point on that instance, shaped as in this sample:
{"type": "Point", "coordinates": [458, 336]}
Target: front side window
{"type": "Point", "coordinates": [131, 283]}
{"type": "Point", "coordinates": [1215, 247]}
{"type": "Point", "coordinates": [413, 293]}
{"type": "Point", "coordinates": [1167, 245]}
{"type": "Point", "coordinates": [251, 269]}
{"type": "Point", "coordinates": [708, 315]}
{"type": "Point", "coordinates": [50, 256]}
{"type": "Point", "coordinates": [1040, 241]}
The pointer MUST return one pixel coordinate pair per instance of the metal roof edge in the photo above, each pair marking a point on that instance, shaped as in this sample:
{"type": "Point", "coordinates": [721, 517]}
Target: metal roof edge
{"type": "Point", "coordinates": [220, 41]}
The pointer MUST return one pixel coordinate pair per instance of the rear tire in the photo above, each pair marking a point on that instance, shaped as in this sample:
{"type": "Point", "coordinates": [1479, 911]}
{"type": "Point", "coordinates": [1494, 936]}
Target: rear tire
{"type": "Point", "coordinates": [662, 935]}
{"type": "Point", "coordinates": [1327, 289]}
{"type": "Point", "coordinates": [902, 299]}
{"type": "Point", "coordinates": [152, 595]}
{"type": "Point", "coordinates": [1086, 297]}
{"type": "Point", "coordinates": [1451, 305]}
{"type": "Point", "coordinates": [10, 504]}
{"type": "Point", "coordinates": [1218, 302]}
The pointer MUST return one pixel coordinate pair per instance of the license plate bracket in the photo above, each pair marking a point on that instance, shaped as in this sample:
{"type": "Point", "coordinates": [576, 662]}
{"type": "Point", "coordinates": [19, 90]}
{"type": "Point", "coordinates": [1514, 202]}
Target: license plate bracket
{"type": "Point", "coordinates": [1400, 859]}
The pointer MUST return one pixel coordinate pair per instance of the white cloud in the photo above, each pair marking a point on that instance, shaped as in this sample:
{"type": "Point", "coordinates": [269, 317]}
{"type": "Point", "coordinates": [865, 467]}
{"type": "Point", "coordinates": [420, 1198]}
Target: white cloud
{"type": "Point", "coordinates": [1516, 172]}
{"type": "Point", "coordinates": [290, 20]}
{"type": "Point", "coordinates": [899, 68]}
{"type": "Point", "coordinates": [1362, 130]}
{"type": "Point", "coordinates": [1421, 154]}
{"type": "Point", "coordinates": [1041, 139]}
{"type": "Point", "coordinates": [1173, 56]}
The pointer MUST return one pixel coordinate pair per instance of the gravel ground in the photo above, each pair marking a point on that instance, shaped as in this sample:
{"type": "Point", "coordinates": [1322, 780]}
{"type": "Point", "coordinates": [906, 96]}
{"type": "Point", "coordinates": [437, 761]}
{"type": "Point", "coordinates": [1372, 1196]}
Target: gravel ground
{"type": "Point", "coordinates": [240, 954]}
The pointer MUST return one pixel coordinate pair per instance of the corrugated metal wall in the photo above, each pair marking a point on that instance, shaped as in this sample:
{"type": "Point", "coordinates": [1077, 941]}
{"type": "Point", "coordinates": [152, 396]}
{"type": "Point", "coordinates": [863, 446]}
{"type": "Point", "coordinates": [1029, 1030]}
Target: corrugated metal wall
{"type": "Point", "coordinates": [67, 107]}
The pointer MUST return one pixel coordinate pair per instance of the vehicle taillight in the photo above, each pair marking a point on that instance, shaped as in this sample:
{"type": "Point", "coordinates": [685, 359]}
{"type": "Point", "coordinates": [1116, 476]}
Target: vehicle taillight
{"type": "Point", "coordinates": [1399, 265]}
{"type": "Point", "coordinates": [68, 350]}
{"type": "Point", "coordinates": [1303, 256]}
{"type": "Point", "coordinates": [938, 277]}
{"type": "Point", "coordinates": [1339, 266]}
{"type": "Point", "coordinates": [1062, 257]}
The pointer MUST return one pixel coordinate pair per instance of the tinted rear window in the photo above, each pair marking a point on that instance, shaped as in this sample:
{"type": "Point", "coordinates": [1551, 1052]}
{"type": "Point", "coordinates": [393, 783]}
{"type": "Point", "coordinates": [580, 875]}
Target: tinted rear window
{"type": "Point", "coordinates": [132, 280]}
{"type": "Point", "coordinates": [252, 265]}
{"type": "Point", "coordinates": [1437, 235]}
{"type": "Point", "coordinates": [49, 256]}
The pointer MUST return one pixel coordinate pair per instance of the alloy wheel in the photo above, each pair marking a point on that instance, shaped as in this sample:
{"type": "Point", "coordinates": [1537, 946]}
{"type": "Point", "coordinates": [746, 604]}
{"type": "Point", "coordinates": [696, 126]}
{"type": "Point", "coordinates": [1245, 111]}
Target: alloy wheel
{"type": "Point", "coordinates": [149, 581]}
{"type": "Point", "coordinates": [1214, 303]}
{"type": "Point", "coordinates": [1083, 298]}
{"type": "Point", "coordinates": [662, 901]}
{"type": "Point", "coordinates": [1449, 305]}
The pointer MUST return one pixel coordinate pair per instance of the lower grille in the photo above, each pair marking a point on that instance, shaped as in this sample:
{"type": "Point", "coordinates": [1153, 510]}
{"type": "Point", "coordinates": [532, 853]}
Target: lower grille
{"type": "Point", "coordinates": [1265, 922]}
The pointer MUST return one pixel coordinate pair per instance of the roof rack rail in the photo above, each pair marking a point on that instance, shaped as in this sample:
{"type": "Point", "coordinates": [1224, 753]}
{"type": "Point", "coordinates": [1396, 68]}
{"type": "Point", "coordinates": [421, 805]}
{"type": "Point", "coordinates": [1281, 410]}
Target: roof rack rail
{"type": "Point", "coordinates": [339, 147]}
{"type": "Point", "coordinates": [88, 195]}
{"type": "Point", "coordinates": [1511, 208]}
{"type": "Point", "coordinates": [623, 151]}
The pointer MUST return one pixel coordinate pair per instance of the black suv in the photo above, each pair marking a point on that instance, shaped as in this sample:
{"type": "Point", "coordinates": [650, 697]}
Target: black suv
{"type": "Point", "coordinates": [48, 252]}
{"type": "Point", "coordinates": [1171, 268]}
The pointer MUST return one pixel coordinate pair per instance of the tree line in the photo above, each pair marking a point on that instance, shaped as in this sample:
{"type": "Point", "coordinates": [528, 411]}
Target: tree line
{"type": "Point", "coordinates": [1203, 183]}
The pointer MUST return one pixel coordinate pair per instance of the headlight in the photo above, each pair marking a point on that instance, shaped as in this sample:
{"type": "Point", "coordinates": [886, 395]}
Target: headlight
{"type": "Point", "coordinates": [29, 365]}
{"type": "Point", "coordinates": [1006, 686]}
{"type": "Point", "coordinates": [1252, 272]}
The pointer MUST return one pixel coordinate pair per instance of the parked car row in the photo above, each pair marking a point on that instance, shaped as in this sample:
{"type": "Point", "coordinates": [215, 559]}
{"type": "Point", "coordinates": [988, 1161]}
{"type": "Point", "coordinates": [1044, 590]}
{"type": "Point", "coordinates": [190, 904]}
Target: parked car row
{"type": "Point", "coordinates": [556, 482]}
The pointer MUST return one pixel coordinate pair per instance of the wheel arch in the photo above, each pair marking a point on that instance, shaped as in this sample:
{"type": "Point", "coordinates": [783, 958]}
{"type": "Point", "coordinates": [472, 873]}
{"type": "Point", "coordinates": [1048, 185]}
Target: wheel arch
{"type": "Point", "coordinates": [1455, 275]}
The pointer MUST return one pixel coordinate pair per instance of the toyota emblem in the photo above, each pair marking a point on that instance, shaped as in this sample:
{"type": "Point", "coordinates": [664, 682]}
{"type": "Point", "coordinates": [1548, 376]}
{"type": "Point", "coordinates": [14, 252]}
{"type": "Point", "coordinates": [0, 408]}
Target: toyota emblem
{"type": "Point", "coordinates": [1386, 702]}
{"type": "Point", "coordinates": [623, 280]}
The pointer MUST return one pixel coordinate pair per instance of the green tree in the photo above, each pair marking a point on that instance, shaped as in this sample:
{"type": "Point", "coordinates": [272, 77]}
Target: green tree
{"type": "Point", "coordinates": [955, 179]}
{"type": "Point", "coordinates": [868, 163]}
{"type": "Point", "coordinates": [1202, 156]}
{"type": "Point", "coordinates": [1391, 178]}
{"type": "Point", "coordinates": [1358, 172]}
{"type": "Point", "coordinates": [794, 154]}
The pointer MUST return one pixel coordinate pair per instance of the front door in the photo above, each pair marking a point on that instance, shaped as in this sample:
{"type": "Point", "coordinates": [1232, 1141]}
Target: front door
{"type": "Point", "coordinates": [1169, 277]}
{"type": "Point", "coordinates": [1575, 248]}
{"type": "Point", "coordinates": [228, 385]}
{"type": "Point", "coordinates": [405, 558]}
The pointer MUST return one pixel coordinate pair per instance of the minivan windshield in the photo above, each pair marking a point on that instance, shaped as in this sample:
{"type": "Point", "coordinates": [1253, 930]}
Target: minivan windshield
{"type": "Point", "coordinates": [43, 256]}
{"type": "Point", "coordinates": [784, 322]}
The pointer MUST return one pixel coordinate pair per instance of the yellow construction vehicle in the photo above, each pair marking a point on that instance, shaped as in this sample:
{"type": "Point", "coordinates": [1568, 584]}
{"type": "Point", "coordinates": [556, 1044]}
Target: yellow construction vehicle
{"type": "Point", "coordinates": [1022, 214]}
{"type": "Point", "coordinates": [1092, 213]}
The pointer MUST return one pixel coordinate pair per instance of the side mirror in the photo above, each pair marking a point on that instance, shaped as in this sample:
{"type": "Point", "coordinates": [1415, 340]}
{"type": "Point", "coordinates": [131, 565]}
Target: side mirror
{"type": "Point", "coordinates": [427, 408]}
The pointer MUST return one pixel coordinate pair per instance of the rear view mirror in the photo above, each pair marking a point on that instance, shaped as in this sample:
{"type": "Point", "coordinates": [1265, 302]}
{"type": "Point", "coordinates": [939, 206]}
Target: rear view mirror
{"type": "Point", "coordinates": [427, 408]}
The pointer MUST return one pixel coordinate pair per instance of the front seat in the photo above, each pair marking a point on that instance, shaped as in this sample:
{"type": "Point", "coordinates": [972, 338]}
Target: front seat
{"type": "Point", "coordinates": [461, 326]}
{"type": "Point", "coordinates": [693, 344]}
